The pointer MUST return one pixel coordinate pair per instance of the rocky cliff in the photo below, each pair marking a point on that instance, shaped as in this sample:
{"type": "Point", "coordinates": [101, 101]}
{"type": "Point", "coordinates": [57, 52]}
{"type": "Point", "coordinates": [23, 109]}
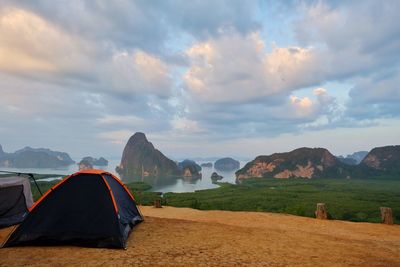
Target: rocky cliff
{"type": "Point", "coordinates": [381, 161]}
{"type": "Point", "coordinates": [189, 168]}
{"type": "Point", "coordinates": [302, 162]}
{"type": "Point", "coordinates": [34, 158]}
{"type": "Point", "coordinates": [216, 177]}
{"type": "Point", "coordinates": [141, 159]}
{"type": "Point", "coordinates": [84, 164]}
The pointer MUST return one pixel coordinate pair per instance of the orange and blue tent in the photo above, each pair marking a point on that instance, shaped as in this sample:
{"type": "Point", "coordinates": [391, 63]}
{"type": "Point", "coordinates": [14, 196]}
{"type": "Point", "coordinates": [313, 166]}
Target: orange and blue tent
{"type": "Point", "coordinates": [90, 208]}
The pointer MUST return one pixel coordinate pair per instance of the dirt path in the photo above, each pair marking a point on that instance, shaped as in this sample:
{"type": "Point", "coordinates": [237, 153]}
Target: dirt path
{"type": "Point", "coordinates": [186, 237]}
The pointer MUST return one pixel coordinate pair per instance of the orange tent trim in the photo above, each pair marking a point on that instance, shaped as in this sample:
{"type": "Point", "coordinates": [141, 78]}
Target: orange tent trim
{"type": "Point", "coordinates": [92, 171]}
{"type": "Point", "coordinates": [111, 194]}
{"type": "Point", "coordinates": [49, 191]}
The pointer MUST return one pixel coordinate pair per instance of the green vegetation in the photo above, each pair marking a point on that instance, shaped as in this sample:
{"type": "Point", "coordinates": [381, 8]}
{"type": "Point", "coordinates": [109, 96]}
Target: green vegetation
{"type": "Point", "coordinates": [142, 196]}
{"type": "Point", "coordinates": [353, 200]}
{"type": "Point", "coordinates": [138, 189]}
{"type": "Point", "coordinates": [43, 185]}
{"type": "Point", "coordinates": [138, 186]}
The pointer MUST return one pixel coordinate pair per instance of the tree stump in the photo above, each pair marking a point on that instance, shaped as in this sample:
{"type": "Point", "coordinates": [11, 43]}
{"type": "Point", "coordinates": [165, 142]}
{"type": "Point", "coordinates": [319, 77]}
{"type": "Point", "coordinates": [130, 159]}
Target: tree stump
{"type": "Point", "coordinates": [157, 203]}
{"type": "Point", "coordinates": [321, 212]}
{"type": "Point", "coordinates": [386, 215]}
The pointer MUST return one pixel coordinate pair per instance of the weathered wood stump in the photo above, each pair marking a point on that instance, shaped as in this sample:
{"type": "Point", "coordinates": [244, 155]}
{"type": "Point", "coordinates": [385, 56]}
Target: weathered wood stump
{"type": "Point", "coordinates": [321, 212]}
{"type": "Point", "coordinates": [157, 203]}
{"type": "Point", "coordinates": [386, 215]}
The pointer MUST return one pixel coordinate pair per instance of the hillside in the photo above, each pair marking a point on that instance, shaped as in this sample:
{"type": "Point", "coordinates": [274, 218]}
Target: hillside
{"type": "Point", "coordinates": [302, 162]}
{"type": "Point", "coordinates": [382, 161]}
{"type": "Point", "coordinates": [34, 158]}
{"type": "Point", "coordinates": [182, 237]}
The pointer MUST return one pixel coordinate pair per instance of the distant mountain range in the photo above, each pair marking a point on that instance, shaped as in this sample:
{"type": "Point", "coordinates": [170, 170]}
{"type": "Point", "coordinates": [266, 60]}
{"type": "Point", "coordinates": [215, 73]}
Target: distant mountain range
{"type": "Point", "coordinates": [320, 163]}
{"type": "Point", "coordinates": [353, 159]}
{"type": "Point", "coordinates": [141, 159]}
{"type": "Point", "coordinates": [34, 158]}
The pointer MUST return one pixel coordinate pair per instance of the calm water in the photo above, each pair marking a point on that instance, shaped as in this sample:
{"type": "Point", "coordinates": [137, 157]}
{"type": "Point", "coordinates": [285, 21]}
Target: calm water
{"type": "Point", "coordinates": [159, 185]}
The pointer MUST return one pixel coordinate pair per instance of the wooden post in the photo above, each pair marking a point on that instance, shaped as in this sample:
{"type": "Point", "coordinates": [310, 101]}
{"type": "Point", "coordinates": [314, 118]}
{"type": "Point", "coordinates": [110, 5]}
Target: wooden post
{"type": "Point", "coordinates": [157, 203]}
{"type": "Point", "coordinates": [386, 215]}
{"type": "Point", "coordinates": [321, 212]}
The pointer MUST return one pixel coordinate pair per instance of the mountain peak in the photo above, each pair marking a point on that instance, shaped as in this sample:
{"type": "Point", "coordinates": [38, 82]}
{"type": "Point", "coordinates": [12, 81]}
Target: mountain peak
{"type": "Point", "coordinates": [140, 159]}
{"type": "Point", "coordinates": [138, 137]}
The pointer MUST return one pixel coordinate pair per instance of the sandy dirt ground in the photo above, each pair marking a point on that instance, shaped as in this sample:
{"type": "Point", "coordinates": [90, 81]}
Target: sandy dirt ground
{"type": "Point", "coordinates": [187, 237]}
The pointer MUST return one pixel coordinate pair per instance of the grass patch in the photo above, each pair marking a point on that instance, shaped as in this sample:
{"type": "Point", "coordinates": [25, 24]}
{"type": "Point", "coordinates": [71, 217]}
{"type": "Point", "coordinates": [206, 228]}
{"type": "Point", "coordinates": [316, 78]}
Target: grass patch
{"type": "Point", "coordinates": [353, 200]}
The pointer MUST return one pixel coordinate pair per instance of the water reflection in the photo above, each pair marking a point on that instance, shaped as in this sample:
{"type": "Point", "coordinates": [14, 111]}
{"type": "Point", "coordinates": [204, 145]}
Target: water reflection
{"type": "Point", "coordinates": [187, 185]}
{"type": "Point", "coordinates": [160, 184]}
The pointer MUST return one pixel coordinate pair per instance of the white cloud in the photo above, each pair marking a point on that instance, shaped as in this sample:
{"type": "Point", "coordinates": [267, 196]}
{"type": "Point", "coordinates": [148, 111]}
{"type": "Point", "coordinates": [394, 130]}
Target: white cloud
{"type": "Point", "coordinates": [114, 119]}
{"type": "Point", "coordinates": [118, 137]}
{"type": "Point", "coordinates": [31, 46]}
{"type": "Point", "coordinates": [302, 106]}
{"type": "Point", "coordinates": [236, 68]}
{"type": "Point", "coordinates": [29, 43]}
{"type": "Point", "coordinates": [190, 71]}
{"type": "Point", "coordinates": [186, 126]}
{"type": "Point", "coordinates": [139, 72]}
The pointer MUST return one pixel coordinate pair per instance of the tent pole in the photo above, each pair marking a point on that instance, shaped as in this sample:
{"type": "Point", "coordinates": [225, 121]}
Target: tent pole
{"type": "Point", "coordinates": [37, 186]}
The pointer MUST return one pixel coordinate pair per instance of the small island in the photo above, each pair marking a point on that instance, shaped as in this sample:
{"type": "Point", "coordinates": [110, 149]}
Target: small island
{"type": "Point", "coordinates": [190, 169]}
{"type": "Point", "coordinates": [207, 165]}
{"type": "Point", "coordinates": [227, 164]}
{"type": "Point", "coordinates": [28, 157]}
{"type": "Point", "coordinates": [95, 162]}
{"type": "Point", "coordinates": [216, 177]}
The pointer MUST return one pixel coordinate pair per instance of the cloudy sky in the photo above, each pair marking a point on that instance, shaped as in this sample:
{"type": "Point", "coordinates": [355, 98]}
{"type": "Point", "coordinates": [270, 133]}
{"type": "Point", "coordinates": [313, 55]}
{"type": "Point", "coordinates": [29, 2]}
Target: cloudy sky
{"type": "Point", "coordinates": [200, 78]}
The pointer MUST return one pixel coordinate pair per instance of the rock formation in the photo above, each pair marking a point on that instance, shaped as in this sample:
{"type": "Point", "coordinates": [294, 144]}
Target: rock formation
{"type": "Point", "coordinates": [85, 164]}
{"type": "Point", "coordinates": [381, 161]}
{"type": "Point", "coordinates": [140, 159]}
{"type": "Point", "coordinates": [35, 158]}
{"type": "Point", "coordinates": [62, 156]}
{"type": "Point", "coordinates": [216, 177]}
{"type": "Point", "coordinates": [189, 168]}
{"type": "Point", "coordinates": [96, 162]}
{"type": "Point", "coordinates": [227, 164]}
{"type": "Point", "coordinates": [302, 162]}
